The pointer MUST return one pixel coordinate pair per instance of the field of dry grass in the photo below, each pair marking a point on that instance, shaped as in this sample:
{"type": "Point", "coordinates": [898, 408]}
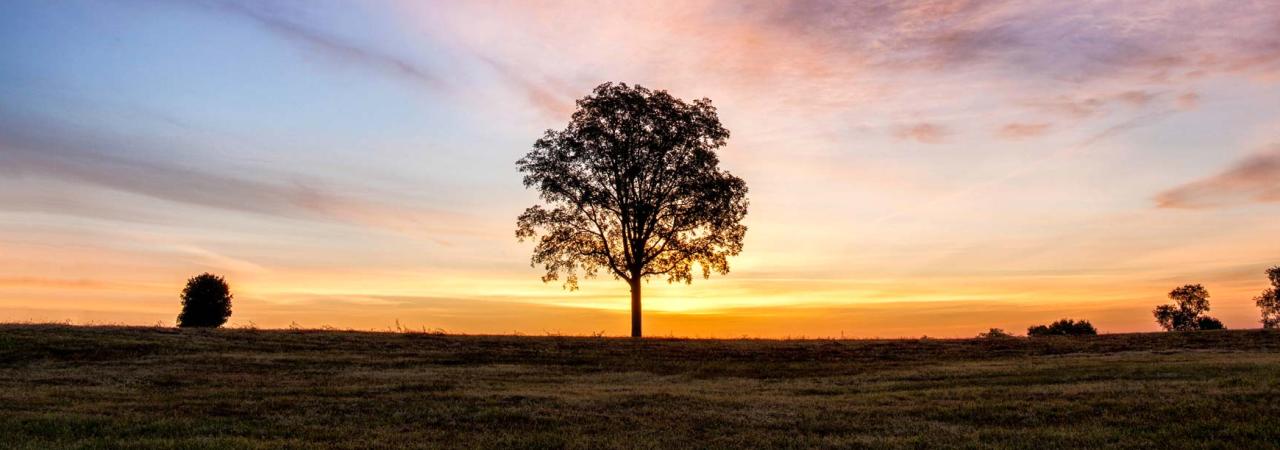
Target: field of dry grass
{"type": "Point", "coordinates": [138, 387]}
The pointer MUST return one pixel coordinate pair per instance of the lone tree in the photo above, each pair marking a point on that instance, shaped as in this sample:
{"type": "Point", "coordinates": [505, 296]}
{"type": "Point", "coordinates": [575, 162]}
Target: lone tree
{"type": "Point", "coordinates": [1187, 312]}
{"type": "Point", "coordinates": [1269, 301]}
{"type": "Point", "coordinates": [206, 302]}
{"type": "Point", "coordinates": [633, 186]}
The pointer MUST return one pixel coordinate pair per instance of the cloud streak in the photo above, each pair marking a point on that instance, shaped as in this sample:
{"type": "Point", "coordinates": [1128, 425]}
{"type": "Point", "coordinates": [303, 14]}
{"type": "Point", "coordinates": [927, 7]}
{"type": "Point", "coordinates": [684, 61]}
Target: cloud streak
{"type": "Point", "coordinates": [65, 152]}
{"type": "Point", "coordinates": [73, 154]}
{"type": "Point", "coordinates": [549, 98]}
{"type": "Point", "coordinates": [1254, 179]}
{"type": "Point", "coordinates": [328, 44]}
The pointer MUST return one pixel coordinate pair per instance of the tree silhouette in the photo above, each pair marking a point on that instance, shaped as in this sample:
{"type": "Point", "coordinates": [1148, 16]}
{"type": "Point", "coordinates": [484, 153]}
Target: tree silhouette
{"type": "Point", "coordinates": [1187, 312]}
{"type": "Point", "coordinates": [1209, 323]}
{"type": "Point", "coordinates": [1269, 301]}
{"type": "Point", "coordinates": [206, 302]}
{"type": "Point", "coordinates": [994, 333]}
{"type": "Point", "coordinates": [1063, 327]}
{"type": "Point", "coordinates": [633, 186]}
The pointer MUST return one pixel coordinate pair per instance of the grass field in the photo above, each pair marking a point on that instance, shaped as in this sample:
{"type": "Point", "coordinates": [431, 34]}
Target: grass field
{"type": "Point", "coordinates": [137, 387]}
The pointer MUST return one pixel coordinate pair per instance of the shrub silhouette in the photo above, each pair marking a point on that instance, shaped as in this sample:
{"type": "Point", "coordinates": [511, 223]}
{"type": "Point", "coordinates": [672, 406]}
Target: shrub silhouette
{"type": "Point", "coordinates": [1269, 301]}
{"type": "Point", "coordinates": [1064, 327]}
{"type": "Point", "coordinates": [995, 333]}
{"type": "Point", "coordinates": [1187, 312]}
{"type": "Point", "coordinates": [206, 302]}
{"type": "Point", "coordinates": [1209, 323]}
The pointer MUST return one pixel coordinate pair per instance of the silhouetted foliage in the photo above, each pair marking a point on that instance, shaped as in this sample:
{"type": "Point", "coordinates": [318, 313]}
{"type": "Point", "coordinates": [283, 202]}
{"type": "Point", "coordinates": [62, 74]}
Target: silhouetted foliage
{"type": "Point", "coordinates": [1209, 323]}
{"type": "Point", "coordinates": [994, 333]}
{"type": "Point", "coordinates": [633, 186]}
{"type": "Point", "coordinates": [1187, 313]}
{"type": "Point", "coordinates": [1064, 327]}
{"type": "Point", "coordinates": [1269, 301]}
{"type": "Point", "coordinates": [206, 302]}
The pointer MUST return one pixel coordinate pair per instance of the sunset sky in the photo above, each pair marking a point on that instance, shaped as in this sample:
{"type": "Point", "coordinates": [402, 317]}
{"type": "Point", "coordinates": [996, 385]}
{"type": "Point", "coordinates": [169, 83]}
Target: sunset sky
{"type": "Point", "coordinates": [927, 168]}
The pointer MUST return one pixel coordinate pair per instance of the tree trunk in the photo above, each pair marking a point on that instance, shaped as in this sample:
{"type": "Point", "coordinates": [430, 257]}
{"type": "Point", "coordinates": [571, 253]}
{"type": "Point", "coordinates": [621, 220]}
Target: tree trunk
{"type": "Point", "coordinates": [635, 307]}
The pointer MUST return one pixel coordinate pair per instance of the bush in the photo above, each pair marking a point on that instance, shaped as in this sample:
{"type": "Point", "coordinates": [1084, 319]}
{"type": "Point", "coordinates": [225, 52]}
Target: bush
{"type": "Point", "coordinates": [206, 302]}
{"type": "Point", "coordinates": [994, 333]}
{"type": "Point", "coordinates": [1209, 323]}
{"type": "Point", "coordinates": [1064, 327]}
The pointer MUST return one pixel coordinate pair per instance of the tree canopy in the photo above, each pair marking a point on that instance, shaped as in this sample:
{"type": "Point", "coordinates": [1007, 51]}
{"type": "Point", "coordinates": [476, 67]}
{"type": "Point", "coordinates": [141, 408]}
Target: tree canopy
{"type": "Point", "coordinates": [1187, 313]}
{"type": "Point", "coordinates": [632, 186]}
{"type": "Point", "coordinates": [1269, 301]}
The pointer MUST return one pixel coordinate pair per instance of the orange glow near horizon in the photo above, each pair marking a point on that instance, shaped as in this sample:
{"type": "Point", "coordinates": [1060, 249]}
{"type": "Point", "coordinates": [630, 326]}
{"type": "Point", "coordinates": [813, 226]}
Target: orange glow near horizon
{"type": "Point", "coordinates": [730, 306]}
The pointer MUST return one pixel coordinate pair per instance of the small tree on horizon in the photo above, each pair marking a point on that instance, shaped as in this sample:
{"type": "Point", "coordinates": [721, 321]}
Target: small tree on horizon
{"type": "Point", "coordinates": [633, 186]}
{"type": "Point", "coordinates": [1187, 313]}
{"type": "Point", "coordinates": [994, 333]}
{"type": "Point", "coordinates": [1269, 301]}
{"type": "Point", "coordinates": [206, 302]}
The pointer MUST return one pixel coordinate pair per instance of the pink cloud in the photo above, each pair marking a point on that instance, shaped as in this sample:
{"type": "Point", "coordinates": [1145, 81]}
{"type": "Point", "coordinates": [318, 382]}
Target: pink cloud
{"type": "Point", "coordinates": [1189, 101]}
{"type": "Point", "coordinates": [1135, 98]}
{"type": "Point", "coordinates": [1063, 40]}
{"type": "Point", "coordinates": [815, 58]}
{"type": "Point", "coordinates": [1023, 130]}
{"type": "Point", "coordinates": [925, 133]}
{"type": "Point", "coordinates": [551, 98]}
{"type": "Point", "coordinates": [1087, 106]}
{"type": "Point", "coordinates": [1253, 179]}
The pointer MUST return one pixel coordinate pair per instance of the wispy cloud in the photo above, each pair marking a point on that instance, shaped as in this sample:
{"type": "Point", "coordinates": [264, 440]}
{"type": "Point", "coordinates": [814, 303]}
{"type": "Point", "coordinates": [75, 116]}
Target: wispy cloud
{"type": "Point", "coordinates": [1018, 130]}
{"type": "Point", "coordinates": [925, 133]}
{"type": "Point", "coordinates": [65, 152]}
{"type": "Point", "coordinates": [1189, 101]}
{"type": "Point", "coordinates": [1256, 178]}
{"type": "Point", "coordinates": [1036, 164]}
{"type": "Point", "coordinates": [70, 153]}
{"type": "Point", "coordinates": [1078, 59]}
{"type": "Point", "coordinates": [1087, 106]}
{"type": "Point", "coordinates": [328, 44]}
{"type": "Point", "coordinates": [1065, 40]}
{"type": "Point", "coordinates": [1135, 97]}
{"type": "Point", "coordinates": [64, 283]}
{"type": "Point", "coordinates": [550, 98]}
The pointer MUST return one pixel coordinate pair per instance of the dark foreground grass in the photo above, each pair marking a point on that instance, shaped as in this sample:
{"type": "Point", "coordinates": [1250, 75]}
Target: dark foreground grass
{"type": "Point", "coordinates": [120, 387]}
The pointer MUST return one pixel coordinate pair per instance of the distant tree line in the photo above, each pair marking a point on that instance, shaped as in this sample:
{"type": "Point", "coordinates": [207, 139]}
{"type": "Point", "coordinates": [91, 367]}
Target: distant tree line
{"type": "Point", "coordinates": [1064, 327]}
{"type": "Point", "coordinates": [1186, 313]}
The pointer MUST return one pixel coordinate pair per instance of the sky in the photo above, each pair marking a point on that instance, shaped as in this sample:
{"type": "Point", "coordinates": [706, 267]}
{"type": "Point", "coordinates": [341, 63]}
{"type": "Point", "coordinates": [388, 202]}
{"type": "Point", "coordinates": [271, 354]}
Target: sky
{"type": "Point", "coordinates": [932, 168]}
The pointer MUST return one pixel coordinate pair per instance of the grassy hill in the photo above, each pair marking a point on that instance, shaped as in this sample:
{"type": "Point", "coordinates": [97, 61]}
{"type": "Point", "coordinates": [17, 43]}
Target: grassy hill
{"type": "Point", "coordinates": [138, 387]}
